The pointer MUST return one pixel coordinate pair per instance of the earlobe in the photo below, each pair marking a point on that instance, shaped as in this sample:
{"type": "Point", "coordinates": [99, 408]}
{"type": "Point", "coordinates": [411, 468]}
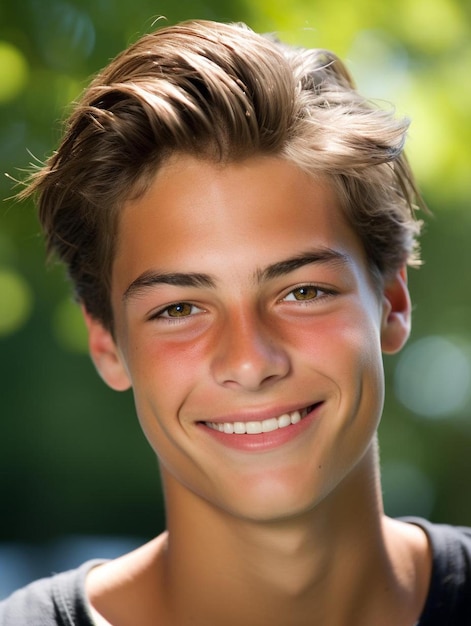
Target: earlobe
{"type": "Point", "coordinates": [396, 320]}
{"type": "Point", "coordinates": [105, 354]}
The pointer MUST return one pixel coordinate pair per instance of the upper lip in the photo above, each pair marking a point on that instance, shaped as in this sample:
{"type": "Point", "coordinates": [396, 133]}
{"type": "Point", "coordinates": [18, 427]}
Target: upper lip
{"type": "Point", "coordinates": [259, 415]}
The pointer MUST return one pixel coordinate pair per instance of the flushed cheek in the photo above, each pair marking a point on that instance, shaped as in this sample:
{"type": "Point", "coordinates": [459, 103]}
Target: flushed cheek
{"type": "Point", "coordinates": [345, 336]}
{"type": "Point", "coordinates": [160, 364]}
{"type": "Point", "coordinates": [164, 376]}
{"type": "Point", "coordinates": [348, 354]}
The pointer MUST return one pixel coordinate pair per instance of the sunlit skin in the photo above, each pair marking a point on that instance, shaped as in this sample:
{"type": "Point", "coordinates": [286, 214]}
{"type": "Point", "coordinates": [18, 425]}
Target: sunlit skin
{"type": "Point", "coordinates": [240, 293]}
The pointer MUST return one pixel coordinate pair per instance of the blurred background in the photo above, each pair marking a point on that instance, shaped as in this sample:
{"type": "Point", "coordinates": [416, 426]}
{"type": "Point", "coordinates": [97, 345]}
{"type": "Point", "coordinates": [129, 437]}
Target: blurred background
{"type": "Point", "coordinates": [77, 478]}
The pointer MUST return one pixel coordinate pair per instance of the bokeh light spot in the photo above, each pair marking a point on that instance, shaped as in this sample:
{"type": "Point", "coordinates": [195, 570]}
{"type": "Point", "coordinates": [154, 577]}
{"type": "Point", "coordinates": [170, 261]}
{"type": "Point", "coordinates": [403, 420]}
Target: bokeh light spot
{"type": "Point", "coordinates": [15, 301]}
{"type": "Point", "coordinates": [13, 72]}
{"type": "Point", "coordinates": [433, 377]}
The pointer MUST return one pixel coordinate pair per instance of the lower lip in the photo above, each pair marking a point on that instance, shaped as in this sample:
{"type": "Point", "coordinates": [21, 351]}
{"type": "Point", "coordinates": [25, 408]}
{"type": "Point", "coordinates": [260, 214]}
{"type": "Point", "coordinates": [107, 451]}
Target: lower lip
{"type": "Point", "coordinates": [263, 441]}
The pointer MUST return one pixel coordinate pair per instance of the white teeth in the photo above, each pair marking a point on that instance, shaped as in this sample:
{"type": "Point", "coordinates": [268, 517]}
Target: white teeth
{"type": "Point", "coordinates": [269, 425]}
{"type": "Point", "coordinates": [284, 420]}
{"type": "Point", "coordinates": [255, 428]}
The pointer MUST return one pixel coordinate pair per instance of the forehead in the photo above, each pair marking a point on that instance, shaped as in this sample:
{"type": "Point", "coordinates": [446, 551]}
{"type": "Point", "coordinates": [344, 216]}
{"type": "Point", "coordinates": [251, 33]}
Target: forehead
{"type": "Point", "coordinates": [202, 216]}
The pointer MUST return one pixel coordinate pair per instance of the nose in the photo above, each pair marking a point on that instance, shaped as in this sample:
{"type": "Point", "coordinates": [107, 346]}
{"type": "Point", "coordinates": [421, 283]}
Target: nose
{"type": "Point", "coordinates": [248, 355]}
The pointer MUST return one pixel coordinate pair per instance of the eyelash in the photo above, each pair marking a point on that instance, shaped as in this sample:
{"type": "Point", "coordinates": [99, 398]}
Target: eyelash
{"type": "Point", "coordinates": [320, 294]}
{"type": "Point", "coordinates": [163, 313]}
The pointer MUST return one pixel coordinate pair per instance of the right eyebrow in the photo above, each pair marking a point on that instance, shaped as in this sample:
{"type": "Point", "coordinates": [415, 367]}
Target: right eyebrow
{"type": "Point", "coordinates": [179, 279]}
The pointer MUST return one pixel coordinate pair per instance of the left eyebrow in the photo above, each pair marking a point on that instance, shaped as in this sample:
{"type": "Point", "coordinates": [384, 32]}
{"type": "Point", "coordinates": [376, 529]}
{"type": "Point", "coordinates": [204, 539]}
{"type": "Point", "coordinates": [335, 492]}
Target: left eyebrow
{"type": "Point", "coordinates": [323, 256]}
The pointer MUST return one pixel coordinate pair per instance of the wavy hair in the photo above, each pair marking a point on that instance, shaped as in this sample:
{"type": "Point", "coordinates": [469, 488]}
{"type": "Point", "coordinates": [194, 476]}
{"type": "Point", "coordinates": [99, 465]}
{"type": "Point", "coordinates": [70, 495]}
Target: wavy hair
{"type": "Point", "coordinates": [224, 93]}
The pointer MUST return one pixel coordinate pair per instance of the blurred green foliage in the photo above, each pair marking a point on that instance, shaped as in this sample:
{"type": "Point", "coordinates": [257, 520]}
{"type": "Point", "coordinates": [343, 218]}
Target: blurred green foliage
{"type": "Point", "coordinates": [72, 458]}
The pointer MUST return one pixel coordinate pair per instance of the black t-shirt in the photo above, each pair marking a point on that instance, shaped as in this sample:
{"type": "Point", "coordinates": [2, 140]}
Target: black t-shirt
{"type": "Point", "coordinates": [449, 598]}
{"type": "Point", "coordinates": [61, 601]}
{"type": "Point", "coordinates": [56, 601]}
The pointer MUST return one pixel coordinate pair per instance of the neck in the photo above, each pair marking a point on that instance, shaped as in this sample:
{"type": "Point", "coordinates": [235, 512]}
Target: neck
{"type": "Point", "coordinates": [285, 571]}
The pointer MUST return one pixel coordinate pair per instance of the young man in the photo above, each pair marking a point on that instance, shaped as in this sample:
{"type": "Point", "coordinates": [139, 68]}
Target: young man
{"type": "Point", "coordinates": [237, 221]}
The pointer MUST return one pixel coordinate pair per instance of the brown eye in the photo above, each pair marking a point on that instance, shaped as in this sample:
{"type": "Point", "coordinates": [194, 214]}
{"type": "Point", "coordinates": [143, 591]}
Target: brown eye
{"type": "Point", "coordinates": [181, 309]}
{"type": "Point", "coordinates": [308, 292]}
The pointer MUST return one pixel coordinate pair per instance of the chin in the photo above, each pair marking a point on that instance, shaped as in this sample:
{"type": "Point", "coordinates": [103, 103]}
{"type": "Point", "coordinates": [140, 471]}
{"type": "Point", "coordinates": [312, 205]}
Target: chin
{"type": "Point", "coordinates": [273, 503]}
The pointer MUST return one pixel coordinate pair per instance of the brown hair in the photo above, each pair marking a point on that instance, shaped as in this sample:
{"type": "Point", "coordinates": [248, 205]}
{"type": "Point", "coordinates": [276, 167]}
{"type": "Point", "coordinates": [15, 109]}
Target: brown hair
{"type": "Point", "coordinates": [220, 92]}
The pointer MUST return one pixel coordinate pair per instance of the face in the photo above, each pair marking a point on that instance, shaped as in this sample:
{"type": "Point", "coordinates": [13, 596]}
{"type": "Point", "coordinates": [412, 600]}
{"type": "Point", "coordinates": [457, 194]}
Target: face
{"type": "Point", "coordinates": [247, 323]}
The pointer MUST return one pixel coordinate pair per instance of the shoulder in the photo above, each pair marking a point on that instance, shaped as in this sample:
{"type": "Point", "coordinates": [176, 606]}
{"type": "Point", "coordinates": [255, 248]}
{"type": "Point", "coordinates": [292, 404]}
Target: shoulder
{"type": "Point", "coordinates": [59, 600]}
{"type": "Point", "coordinates": [132, 586]}
{"type": "Point", "coordinates": [449, 597]}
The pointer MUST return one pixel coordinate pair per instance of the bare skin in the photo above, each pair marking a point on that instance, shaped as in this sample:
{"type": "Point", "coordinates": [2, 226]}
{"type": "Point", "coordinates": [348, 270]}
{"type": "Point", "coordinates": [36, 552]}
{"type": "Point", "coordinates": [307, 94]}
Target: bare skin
{"type": "Point", "coordinates": [358, 572]}
{"type": "Point", "coordinates": [241, 295]}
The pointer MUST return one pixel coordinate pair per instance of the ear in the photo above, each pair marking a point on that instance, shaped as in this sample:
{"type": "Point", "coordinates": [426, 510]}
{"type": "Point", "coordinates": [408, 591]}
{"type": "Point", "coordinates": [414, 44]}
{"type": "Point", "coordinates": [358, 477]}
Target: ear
{"type": "Point", "coordinates": [105, 354]}
{"type": "Point", "coordinates": [396, 321]}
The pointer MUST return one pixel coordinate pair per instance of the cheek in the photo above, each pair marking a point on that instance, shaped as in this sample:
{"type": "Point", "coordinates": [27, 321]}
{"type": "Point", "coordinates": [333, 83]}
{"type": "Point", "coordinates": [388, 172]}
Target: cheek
{"type": "Point", "coordinates": [361, 381]}
{"type": "Point", "coordinates": [164, 372]}
{"type": "Point", "coordinates": [337, 339]}
{"type": "Point", "coordinates": [347, 352]}
{"type": "Point", "coordinates": [360, 361]}
{"type": "Point", "coordinates": [163, 375]}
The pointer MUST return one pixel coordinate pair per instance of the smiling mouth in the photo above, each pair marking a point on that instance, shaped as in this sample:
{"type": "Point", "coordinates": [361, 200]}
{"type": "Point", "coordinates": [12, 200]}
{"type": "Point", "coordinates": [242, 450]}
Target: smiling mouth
{"type": "Point", "coordinates": [265, 426]}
